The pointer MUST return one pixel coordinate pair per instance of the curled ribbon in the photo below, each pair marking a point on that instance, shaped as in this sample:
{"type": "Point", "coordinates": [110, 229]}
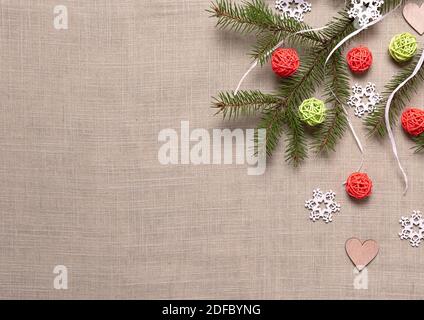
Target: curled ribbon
{"type": "Point", "coordinates": [387, 119]}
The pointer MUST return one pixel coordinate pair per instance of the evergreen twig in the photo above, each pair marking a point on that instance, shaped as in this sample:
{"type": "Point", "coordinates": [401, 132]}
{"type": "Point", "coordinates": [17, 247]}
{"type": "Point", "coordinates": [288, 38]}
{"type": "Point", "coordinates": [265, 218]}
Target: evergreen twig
{"type": "Point", "coordinates": [265, 43]}
{"type": "Point", "coordinates": [255, 16]}
{"type": "Point", "coordinates": [389, 5]}
{"type": "Point", "coordinates": [335, 124]}
{"type": "Point", "coordinates": [375, 122]}
{"type": "Point", "coordinates": [279, 111]}
{"type": "Point", "coordinates": [419, 141]}
{"type": "Point", "coordinates": [296, 89]}
{"type": "Point", "coordinates": [273, 122]}
{"type": "Point", "coordinates": [304, 84]}
{"type": "Point", "coordinates": [245, 103]}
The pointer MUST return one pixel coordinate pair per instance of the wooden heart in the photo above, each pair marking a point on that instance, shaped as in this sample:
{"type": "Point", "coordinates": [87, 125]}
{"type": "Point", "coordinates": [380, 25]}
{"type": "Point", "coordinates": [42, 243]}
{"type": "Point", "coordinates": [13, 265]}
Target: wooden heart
{"type": "Point", "coordinates": [361, 253]}
{"type": "Point", "coordinates": [414, 15]}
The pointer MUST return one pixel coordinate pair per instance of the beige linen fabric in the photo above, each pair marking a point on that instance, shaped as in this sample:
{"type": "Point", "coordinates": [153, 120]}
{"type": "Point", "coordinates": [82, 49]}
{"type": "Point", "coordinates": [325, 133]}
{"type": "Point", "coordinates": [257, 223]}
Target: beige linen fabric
{"type": "Point", "coordinates": [81, 185]}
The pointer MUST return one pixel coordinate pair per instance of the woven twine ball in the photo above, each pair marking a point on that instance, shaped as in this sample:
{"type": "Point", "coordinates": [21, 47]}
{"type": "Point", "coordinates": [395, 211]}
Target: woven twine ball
{"type": "Point", "coordinates": [359, 185]}
{"type": "Point", "coordinates": [312, 111]}
{"type": "Point", "coordinates": [413, 121]}
{"type": "Point", "coordinates": [403, 47]}
{"type": "Point", "coordinates": [285, 62]}
{"type": "Point", "coordinates": [359, 59]}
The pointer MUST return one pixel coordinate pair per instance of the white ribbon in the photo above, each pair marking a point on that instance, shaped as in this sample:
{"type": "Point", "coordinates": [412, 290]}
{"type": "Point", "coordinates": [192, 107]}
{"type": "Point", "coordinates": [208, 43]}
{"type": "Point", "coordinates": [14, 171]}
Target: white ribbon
{"type": "Point", "coordinates": [358, 142]}
{"type": "Point", "coordinates": [255, 63]}
{"type": "Point", "coordinates": [352, 129]}
{"type": "Point", "coordinates": [387, 119]}
{"type": "Point", "coordinates": [359, 31]}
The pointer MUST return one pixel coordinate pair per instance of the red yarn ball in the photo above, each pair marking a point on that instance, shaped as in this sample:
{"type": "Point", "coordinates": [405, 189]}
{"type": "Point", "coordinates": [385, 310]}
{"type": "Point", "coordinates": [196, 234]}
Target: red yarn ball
{"type": "Point", "coordinates": [359, 185]}
{"type": "Point", "coordinates": [285, 62]}
{"type": "Point", "coordinates": [359, 59]}
{"type": "Point", "coordinates": [413, 121]}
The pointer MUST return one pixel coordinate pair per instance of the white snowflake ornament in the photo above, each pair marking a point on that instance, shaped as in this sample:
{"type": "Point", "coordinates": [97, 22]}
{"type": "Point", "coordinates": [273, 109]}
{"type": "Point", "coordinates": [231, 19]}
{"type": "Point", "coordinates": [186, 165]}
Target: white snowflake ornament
{"type": "Point", "coordinates": [365, 11]}
{"type": "Point", "coordinates": [295, 9]}
{"type": "Point", "coordinates": [364, 99]}
{"type": "Point", "coordinates": [322, 205]}
{"type": "Point", "coordinates": [412, 228]}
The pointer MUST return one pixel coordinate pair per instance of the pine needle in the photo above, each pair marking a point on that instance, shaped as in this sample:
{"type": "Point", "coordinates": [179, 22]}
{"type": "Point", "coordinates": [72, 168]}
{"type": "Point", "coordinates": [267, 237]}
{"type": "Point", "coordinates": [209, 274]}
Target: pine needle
{"type": "Point", "coordinates": [375, 122]}
{"type": "Point", "coordinates": [245, 103]}
{"type": "Point", "coordinates": [334, 127]}
{"type": "Point", "coordinates": [279, 111]}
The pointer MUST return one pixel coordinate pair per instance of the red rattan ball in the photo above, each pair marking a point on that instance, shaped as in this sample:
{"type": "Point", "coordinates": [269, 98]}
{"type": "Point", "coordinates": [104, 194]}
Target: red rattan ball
{"type": "Point", "coordinates": [359, 59]}
{"type": "Point", "coordinates": [359, 185]}
{"type": "Point", "coordinates": [285, 62]}
{"type": "Point", "coordinates": [413, 121]}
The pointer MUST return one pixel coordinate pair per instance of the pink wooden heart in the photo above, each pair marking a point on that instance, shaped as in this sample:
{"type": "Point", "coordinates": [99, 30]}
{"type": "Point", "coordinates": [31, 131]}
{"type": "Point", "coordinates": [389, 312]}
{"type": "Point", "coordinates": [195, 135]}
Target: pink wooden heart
{"type": "Point", "coordinates": [414, 15]}
{"type": "Point", "coordinates": [361, 253]}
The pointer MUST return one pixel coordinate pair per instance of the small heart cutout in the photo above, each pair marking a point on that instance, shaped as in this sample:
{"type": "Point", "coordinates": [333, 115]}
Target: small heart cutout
{"type": "Point", "coordinates": [414, 15]}
{"type": "Point", "coordinates": [361, 253]}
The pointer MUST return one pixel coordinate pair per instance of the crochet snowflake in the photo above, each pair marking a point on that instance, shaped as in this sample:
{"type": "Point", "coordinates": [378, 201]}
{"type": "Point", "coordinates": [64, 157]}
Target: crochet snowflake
{"type": "Point", "coordinates": [364, 99]}
{"type": "Point", "coordinates": [322, 205]}
{"type": "Point", "coordinates": [295, 9]}
{"type": "Point", "coordinates": [412, 228]}
{"type": "Point", "coordinates": [365, 11]}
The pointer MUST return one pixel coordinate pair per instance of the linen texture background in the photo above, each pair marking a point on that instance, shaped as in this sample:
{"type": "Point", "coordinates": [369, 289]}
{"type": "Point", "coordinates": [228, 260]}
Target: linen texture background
{"type": "Point", "coordinates": [81, 185]}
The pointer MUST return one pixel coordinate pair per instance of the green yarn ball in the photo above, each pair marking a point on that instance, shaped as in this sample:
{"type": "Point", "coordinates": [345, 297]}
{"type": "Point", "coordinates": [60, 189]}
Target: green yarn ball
{"type": "Point", "coordinates": [312, 111]}
{"type": "Point", "coordinates": [403, 47]}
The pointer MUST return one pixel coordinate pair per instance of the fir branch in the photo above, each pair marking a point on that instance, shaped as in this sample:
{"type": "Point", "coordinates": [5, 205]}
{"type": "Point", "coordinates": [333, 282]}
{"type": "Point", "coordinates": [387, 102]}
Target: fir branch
{"type": "Point", "coordinates": [295, 90]}
{"type": "Point", "coordinates": [419, 141]}
{"type": "Point", "coordinates": [245, 103]}
{"type": "Point", "coordinates": [311, 72]}
{"type": "Point", "coordinates": [250, 17]}
{"type": "Point", "coordinates": [375, 122]}
{"type": "Point", "coordinates": [298, 88]}
{"type": "Point", "coordinates": [255, 16]}
{"type": "Point", "coordinates": [303, 83]}
{"type": "Point", "coordinates": [264, 46]}
{"type": "Point", "coordinates": [280, 111]}
{"type": "Point", "coordinates": [337, 29]}
{"type": "Point", "coordinates": [390, 5]}
{"type": "Point", "coordinates": [332, 130]}
{"type": "Point", "coordinates": [273, 122]}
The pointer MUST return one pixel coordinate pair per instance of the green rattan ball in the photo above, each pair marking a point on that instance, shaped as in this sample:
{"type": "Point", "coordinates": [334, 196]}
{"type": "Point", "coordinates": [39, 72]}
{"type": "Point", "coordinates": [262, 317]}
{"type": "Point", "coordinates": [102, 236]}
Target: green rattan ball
{"type": "Point", "coordinates": [403, 47]}
{"type": "Point", "coordinates": [312, 111]}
